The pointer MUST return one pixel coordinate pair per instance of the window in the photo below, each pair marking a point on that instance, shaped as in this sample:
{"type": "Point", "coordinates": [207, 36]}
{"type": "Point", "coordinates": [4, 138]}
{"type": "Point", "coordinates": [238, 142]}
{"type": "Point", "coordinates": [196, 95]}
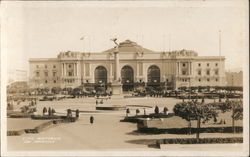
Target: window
{"type": "Point", "coordinates": [183, 64]}
{"type": "Point", "coordinates": [183, 72]}
{"type": "Point", "coordinates": [46, 81]}
{"type": "Point", "coordinates": [199, 72]}
{"type": "Point", "coordinates": [208, 80]}
{"type": "Point", "coordinates": [54, 74]}
{"type": "Point", "coordinates": [37, 74]}
{"type": "Point", "coordinates": [199, 64]}
{"type": "Point", "coordinates": [54, 81]}
{"type": "Point", "coordinates": [216, 72]}
{"type": "Point", "coordinates": [69, 65]}
{"type": "Point", "coordinates": [208, 64]}
{"type": "Point", "coordinates": [199, 80]}
{"type": "Point", "coordinates": [208, 72]}
{"type": "Point", "coordinates": [54, 66]}
{"type": "Point", "coordinates": [37, 66]}
{"type": "Point", "coordinates": [45, 66]}
{"type": "Point", "coordinates": [216, 64]}
{"type": "Point", "coordinates": [46, 73]}
{"type": "Point", "coordinates": [216, 80]}
{"type": "Point", "coordinates": [70, 73]}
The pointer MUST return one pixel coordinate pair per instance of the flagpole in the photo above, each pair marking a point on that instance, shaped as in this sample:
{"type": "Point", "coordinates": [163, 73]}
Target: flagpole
{"type": "Point", "coordinates": [220, 70]}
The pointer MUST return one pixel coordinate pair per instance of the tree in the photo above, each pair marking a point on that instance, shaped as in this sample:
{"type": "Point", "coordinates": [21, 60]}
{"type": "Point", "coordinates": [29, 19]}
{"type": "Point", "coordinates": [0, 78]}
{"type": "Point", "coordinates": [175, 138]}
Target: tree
{"type": "Point", "coordinates": [49, 111]}
{"type": "Point", "coordinates": [44, 110]}
{"type": "Point", "coordinates": [156, 110]}
{"type": "Point", "coordinates": [137, 111]}
{"type": "Point", "coordinates": [127, 112]}
{"type": "Point", "coordinates": [53, 111]}
{"type": "Point", "coordinates": [165, 110]}
{"type": "Point", "coordinates": [236, 107]}
{"type": "Point", "coordinates": [193, 110]}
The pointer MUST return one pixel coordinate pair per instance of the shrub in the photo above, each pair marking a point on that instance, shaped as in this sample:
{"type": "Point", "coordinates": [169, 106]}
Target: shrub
{"type": "Point", "coordinates": [201, 140]}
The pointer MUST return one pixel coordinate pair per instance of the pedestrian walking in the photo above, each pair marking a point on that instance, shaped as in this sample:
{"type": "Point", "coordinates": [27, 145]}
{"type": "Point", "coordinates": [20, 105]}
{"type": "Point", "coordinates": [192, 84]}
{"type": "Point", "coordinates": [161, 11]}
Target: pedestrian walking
{"type": "Point", "coordinates": [91, 119]}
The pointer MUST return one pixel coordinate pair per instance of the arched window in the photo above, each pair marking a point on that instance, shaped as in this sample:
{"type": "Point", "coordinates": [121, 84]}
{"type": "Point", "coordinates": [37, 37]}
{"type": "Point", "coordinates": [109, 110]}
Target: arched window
{"type": "Point", "coordinates": [153, 74]}
{"type": "Point", "coordinates": [127, 74]}
{"type": "Point", "coordinates": [100, 74]}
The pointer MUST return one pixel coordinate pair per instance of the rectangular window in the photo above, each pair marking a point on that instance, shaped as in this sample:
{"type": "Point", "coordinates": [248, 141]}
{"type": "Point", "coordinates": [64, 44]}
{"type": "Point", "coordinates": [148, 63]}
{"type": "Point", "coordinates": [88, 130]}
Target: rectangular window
{"type": "Point", "coordinates": [208, 72]}
{"type": "Point", "coordinates": [46, 73]}
{"type": "Point", "coordinates": [199, 72]}
{"type": "Point", "coordinates": [54, 81]}
{"type": "Point", "coordinates": [70, 74]}
{"type": "Point", "coordinates": [37, 66]}
{"type": "Point", "coordinates": [208, 64]}
{"type": "Point", "coordinates": [216, 72]}
{"type": "Point", "coordinates": [54, 74]}
{"type": "Point", "coordinates": [37, 74]}
{"type": "Point", "coordinates": [45, 66]}
{"type": "Point", "coordinates": [199, 80]}
{"type": "Point", "coordinates": [199, 64]}
{"type": "Point", "coordinates": [183, 64]}
{"type": "Point", "coordinates": [54, 66]}
{"type": "Point", "coordinates": [46, 81]}
{"type": "Point", "coordinates": [183, 72]}
{"type": "Point", "coordinates": [208, 80]}
{"type": "Point", "coordinates": [216, 80]}
{"type": "Point", "coordinates": [216, 64]}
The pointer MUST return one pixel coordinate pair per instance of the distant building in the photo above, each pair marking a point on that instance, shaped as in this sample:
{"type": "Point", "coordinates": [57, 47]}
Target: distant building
{"type": "Point", "coordinates": [135, 64]}
{"type": "Point", "coordinates": [234, 78]}
{"type": "Point", "coordinates": [17, 76]}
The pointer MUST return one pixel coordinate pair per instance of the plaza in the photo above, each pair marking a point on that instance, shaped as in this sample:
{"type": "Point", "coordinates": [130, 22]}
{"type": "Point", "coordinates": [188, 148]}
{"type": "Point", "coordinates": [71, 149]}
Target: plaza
{"type": "Point", "coordinates": [107, 132]}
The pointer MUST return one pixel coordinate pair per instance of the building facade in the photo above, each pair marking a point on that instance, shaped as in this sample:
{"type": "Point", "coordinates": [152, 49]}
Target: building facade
{"type": "Point", "coordinates": [132, 64]}
{"type": "Point", "coordinates": [234, 79]}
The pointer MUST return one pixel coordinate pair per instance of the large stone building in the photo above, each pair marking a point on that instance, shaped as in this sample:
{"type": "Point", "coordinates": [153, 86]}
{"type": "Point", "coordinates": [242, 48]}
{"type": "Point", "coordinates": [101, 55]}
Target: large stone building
{"type": "Point", "coordinates": [132, 64]}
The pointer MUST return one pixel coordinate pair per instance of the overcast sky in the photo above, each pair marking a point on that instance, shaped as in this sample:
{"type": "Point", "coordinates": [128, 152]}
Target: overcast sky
{"type": "Point", "coordinates": [43, 29]}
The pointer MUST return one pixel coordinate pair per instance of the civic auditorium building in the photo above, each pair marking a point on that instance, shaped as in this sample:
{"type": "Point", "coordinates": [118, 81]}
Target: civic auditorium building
{"type": "Point", "coordinates": [128, 63]}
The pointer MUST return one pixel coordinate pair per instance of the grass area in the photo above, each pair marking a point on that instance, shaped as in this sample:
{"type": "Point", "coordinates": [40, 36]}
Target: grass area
{"type": "Point", "coordinates": [23, 123]}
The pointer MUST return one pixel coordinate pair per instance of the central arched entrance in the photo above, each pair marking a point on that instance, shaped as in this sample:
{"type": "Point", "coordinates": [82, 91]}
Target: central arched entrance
{"type": "Point", "coordinates": [100, 74]}
{"type": "Point", "coordinates": [154, 76]}
{"type": "Point", "coordinates": [127, 75]}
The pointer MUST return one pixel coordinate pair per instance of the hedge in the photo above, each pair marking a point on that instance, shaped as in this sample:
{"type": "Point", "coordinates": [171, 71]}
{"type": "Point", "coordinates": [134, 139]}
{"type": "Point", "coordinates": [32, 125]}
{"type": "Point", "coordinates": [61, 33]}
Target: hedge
{"type": "Point", "coordinates": [229, 129]}
{"type": "Point", "coordinates": [135, 119]}
{"type": "Point", "coordinates": [15, 133]}
{"type": "Point", "coordinates": [199, 141]}
{"type": "Point", "coordinates": [20, 115]}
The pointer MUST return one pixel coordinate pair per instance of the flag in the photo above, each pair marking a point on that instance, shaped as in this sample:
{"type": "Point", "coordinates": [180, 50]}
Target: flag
{"type": "Point", "coordinates": [82, 38]}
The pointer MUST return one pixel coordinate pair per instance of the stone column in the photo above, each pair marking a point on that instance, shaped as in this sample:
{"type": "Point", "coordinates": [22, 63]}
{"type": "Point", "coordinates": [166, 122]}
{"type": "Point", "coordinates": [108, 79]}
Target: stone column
{"type": "Point", "coordinates": [117, 65]}
{"type": "Point", "coordinates": [116, 85]}
{"type": "Point", "coordinates": [62, 69]}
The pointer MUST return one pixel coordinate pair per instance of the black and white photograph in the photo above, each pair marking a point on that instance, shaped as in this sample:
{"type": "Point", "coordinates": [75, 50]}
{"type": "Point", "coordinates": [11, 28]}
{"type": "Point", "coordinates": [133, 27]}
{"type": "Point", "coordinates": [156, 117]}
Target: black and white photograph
{"type": "Point", "coordinates": [125, 78]}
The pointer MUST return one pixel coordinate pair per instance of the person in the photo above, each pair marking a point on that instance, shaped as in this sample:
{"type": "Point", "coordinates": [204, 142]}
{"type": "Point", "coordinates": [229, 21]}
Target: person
{"type": "Point", "coordinates": [91, 119]}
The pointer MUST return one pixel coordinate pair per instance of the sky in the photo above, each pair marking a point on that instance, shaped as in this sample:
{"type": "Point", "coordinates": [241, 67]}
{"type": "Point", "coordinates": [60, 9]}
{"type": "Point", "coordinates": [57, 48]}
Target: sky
{"type": "Point", "coordinates": [43, 29]}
